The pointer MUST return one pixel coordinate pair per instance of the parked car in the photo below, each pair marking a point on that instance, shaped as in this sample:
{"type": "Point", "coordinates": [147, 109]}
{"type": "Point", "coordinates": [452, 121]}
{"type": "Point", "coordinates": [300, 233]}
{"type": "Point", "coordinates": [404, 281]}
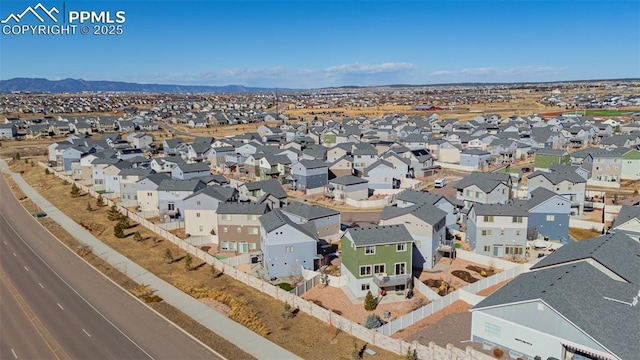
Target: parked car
{"type": "Point", "coordinates": [440, 183]}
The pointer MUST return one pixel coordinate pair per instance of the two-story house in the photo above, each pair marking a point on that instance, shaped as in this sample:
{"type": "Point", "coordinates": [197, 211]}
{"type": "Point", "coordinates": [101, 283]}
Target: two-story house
{"type": "Point", "coordinates": [604, 166]}
{"type": "Point", "coordinates": [484, 188]}
{"type": "Point", "coordinates": [239, 226]}
{"type": "Point", "coordinates": [185, 171]}
{"type": "Point", "coordinates": [377, 258]}
{"type": "Point", "coordinates": [566, 183]}
{"type": "Point", "coordinates": [147, 192]}
{"type": "Point", "coordinates": [348, 187]}
{"type": "Point", "coordinates": [269, 191]}
{"type": "Point", "coordinates": [498, 229]}
{"type": "Point", "coordinates": [309, 174]}
{"type": "Point", "coordinates": [548, 215]}
{"type": "Point", "coordinates": [287, 246]}
{"type": "Point", "coordinates": [128, 189]}
{"type": "Point", "coordinates": [171, 195]}
{"type": "Point", "coordinates": [200, 210]}
{"type": "Point", "coordinates": [326, 221]}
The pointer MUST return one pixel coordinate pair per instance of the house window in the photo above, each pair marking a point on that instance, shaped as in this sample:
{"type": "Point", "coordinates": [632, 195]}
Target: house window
{"type": "Point", "coordinates": [365, 270]}
{"type": "Point", "coordinates": [171, 206]}
{"type": "Point", "coordinates": [252, 231]}
{"type": "Point", "coordinates": [517, 232]}
{"type": "Point", "coordinates": [225, 229]}
{"type": "Point", "coordinates": [226, 217]}
{"type": "Point", "coordinates": [469, 193]}
{"type": "Point", "coordinates": [487, 248]}
{"type": "Point", "coordinates": [486, 232]}
{"type": "Point", "coordinates": [492, 330]}
{"type": "Point", "coordinates": [478, 194]}
{"type": "Point", "coordinates": [551, 217]}
{"type": "Point", "coordinates": [200, 228]}
{"type": "Point", "coordinates": [149, 194]}
{"type": "Point", "coordinates": [224, 245]}
{"type": "Point", "coordinates": [517, 219]}
{"type": "Point", "coordinates": [369, 250]}
{"type": "Point", "coordinates": [288, 249]}
{"type": "Point", "coordinates": [379, 269]}
{"type": "Point", "coordinates": [252, 217]}
{"type": "Point", "coordinates": [239, 230]}
{"type": "Point", "coordinates": [401, 247]}
{"type": "Point", "coordinates": [197, 202]}
{"type": "Point", "coordinates": [488, 218]}
{"type": "Point", "coordinates": [252, 246]}
{"type": "Point", "coordinates": [513, 250]}
{"type": "Point", "coordinates": [365, 287]}
{"type": "Point", "coordinates": [197, 215]}
{"type": "Point", "coordinates": [501, 231]}
{"type": "Point", "coordinates": [400, 268]}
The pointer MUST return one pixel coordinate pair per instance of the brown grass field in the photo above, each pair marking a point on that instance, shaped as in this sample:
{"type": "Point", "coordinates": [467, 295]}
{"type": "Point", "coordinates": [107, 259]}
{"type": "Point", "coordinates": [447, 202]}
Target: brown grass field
{"type": "Point", "coordinates": [582, 234]}
{"type": "Point", "coordinates": [302, 335]}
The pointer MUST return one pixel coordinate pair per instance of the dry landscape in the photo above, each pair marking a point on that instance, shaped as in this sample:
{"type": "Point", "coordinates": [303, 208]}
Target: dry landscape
{"type": "Point", "coordinates": [302, 335]}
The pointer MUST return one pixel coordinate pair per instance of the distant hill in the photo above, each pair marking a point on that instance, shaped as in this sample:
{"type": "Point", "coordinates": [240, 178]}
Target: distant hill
{"type": "Point", "coordinates": [79, 85]}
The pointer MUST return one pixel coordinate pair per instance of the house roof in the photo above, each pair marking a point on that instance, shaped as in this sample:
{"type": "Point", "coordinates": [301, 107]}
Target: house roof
{"type": "Point", "coordinates": [425, 212]}
{"type": "Point", "coordinates": [156, 178]}
{"type": "Point", "coordinates": [180, 185]}
{"type": "Point", "coordinates": [418, 197]}
{"type": "Point", "coordinates": [348, 180]}
{"type": "Point", "coordinates": [309, 212]}
{"type": "Point", "coordinates": [136, 172]}
{"type": "Point", "coordinates": [513, 208]}
{"type": "Point", "coordinates": [220, 193]}
{"type": "Point", "coordinates": [556, 177]}
{"type": "Point", "coordinates": [477, 152]}
{"type": "Point", "coordinates": [242, 208]}
{"type": "Point", "coordinates": [275, 219]}
{"type": "Point", "coordinates": [194, 167]}
{"type": "Point", "coordinates": [626, 213]}
{"type": "Point", "coordinates": [485, 181]}
{"type": "Point", "coordinates": [379, 235]}
{"type": "Point", "coordinates": [313, 164]}
{"type": "Point", "coordinates": [375, 165]}
{"type": "Point", "coordinates": [271, 186]}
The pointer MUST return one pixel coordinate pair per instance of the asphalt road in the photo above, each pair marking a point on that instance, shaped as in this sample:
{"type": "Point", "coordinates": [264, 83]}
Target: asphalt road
{"type": "Point", "coordinates": [54, 305]}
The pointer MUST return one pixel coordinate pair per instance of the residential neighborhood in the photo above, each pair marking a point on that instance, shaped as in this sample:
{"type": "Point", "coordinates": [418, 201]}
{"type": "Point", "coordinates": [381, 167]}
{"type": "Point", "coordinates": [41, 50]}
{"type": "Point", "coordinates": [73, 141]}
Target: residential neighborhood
{"type": "Point", "coordinates": [387, 206]}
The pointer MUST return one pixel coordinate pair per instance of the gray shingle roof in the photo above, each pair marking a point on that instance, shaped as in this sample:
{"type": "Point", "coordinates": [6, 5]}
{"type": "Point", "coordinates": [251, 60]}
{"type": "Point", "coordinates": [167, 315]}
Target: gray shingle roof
{"type": "Point", "coordinates": [578, 290]}
{"type": "Point", "coordinates": [180, 185]}
{"type": "Point", "coordinates": [379, 235]}
{"type": "Point", "coordinates": [485, 181]}
{"type": "Point", "coordinates": [556, 177]}
{"type": "Point", "coordinates": [313, 164]}
{"type": "Point", "coordinates": [275, 219]}
{"type": "Point", "coordinates": [348, 180]}
{"type": "Point", "coordinates": [271, 186]}
{"type": "Point", "coordinates": [220, 193]}
{"type": "Point", "coordinates": [626, 213]}
{"type": "Point", "coordinates": [425, 212]}
{"type": "Point", "coordinates": [514, 208]}
{"type": "Point", "coordinates": [418, 197]}
{"type": "Point", "coordinates": [195, 167]}
{"type": "Point", "coordinates": [307, 211]}
{"type": "Point", "coordinates": [242, 208]}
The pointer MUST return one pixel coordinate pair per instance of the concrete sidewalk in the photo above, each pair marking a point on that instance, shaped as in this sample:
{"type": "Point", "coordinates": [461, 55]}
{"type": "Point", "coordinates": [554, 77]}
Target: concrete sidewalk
{"type": "Point", "coordinates": [245, 339]}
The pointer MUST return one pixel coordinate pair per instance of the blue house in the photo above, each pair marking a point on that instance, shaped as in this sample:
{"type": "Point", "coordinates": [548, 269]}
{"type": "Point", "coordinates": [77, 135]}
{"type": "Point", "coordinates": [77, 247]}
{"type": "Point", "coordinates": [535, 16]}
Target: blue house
{"type": "Point", "coordinates": [475, 158]}
{"type": "Point", "coordinates": [549, 214]}
{"type": "Point", "coordinates": [189, 171]}
{"type": "Point", "coordinates": [171, 196]}
{"type": "Point", "coordinates": [309, 174]}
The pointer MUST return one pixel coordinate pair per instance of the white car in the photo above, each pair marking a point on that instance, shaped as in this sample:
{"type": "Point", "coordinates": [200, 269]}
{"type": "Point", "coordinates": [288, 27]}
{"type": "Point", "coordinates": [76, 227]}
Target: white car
{"type": "Point", "coordinates": [440, 183]}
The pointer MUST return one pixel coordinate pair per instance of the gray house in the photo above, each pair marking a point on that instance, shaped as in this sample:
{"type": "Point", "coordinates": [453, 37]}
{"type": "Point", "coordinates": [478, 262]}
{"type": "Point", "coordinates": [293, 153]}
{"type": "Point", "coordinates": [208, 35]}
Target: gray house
{"type": "Point", "coordinates": [309, 174]}
{"type": "Point", "coordinates": [326, 221]}
{"type": "Point", "coordinates": [475, 159]}
{"type": "Point", "coordinates": [286, 247]}
{"type": "Point", "coordinates": [498, 230]}
{"type": "Point", "coordinates": [8, 131]}
{"type": "Point", "coordinates": [189, 171]}
{"type": "Point", "coordinates": [578, 303]}
{"type": "Point", "coordinates": [171, 195]}
{"type": "Point", "coordinates": [548, 214]}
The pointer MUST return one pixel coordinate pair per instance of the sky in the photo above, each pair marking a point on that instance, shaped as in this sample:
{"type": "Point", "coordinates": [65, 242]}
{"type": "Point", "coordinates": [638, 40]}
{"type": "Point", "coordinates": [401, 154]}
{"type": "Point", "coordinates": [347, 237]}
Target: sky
{"type": "Point", "coordinates": [312, 43]}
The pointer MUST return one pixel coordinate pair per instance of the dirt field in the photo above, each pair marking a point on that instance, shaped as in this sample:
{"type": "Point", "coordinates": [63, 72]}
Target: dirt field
{"type": "Point", "coordinates": [302, 335]}
{"type": "Point", "coordinates": [582, 234]}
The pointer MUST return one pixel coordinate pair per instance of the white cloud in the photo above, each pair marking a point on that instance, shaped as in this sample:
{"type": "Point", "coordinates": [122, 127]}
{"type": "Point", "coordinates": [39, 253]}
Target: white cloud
{"type": "Point", "coordinates": [359, 68]}
{"type": "Point", "coordinates": [497, 73]}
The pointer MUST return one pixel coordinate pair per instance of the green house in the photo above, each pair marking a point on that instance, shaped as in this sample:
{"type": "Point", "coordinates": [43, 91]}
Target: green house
{"type": "Point", "coordinates": [544, 158]}
{"type": "Point", "coordinates": [377, 257]}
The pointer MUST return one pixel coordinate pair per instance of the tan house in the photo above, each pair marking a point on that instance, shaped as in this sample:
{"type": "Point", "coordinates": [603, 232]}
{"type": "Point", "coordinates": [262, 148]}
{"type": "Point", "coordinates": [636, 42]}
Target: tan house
{"type": "Point", "coordinates": [239, 226]}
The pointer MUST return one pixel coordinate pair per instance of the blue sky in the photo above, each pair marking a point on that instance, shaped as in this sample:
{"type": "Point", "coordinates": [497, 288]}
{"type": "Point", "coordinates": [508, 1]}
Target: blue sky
{"type": "Point", "coordinates": [305, 44]}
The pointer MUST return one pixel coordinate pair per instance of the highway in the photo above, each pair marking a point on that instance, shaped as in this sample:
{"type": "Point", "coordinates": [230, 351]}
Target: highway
{"type": "Point", "coordinates": [55, 306]}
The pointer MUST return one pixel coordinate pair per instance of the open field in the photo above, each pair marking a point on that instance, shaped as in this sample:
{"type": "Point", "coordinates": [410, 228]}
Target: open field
{"type": "Point", "coordinates": [303, 335]}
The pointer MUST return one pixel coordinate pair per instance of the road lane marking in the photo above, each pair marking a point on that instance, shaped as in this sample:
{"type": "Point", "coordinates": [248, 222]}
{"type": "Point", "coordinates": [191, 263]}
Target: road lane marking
{"type": "Point", "coordinates": [85, 331]}
{"type": "Point", "coordinates": [14, 354]}
{"type": "Point", "coordinates": [42, 286]}
{"type": "Point", "coordinates": [60, 306]}
{"type": "Point", "coordinates": [26, 268]}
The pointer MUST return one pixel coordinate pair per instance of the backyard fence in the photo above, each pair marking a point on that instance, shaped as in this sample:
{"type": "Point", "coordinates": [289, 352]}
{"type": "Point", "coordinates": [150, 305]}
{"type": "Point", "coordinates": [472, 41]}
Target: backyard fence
{"type": "Point", "coordinates": [377, 337]}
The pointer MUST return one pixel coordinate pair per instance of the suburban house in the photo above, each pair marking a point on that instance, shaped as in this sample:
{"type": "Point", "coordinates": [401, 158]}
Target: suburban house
{"type": "Point", "coordinates": [383, 175]}
{"type": "Point", "coordinates": [631, 165]}
{"type": "Point", "coordinates": [239, 226]}
{"type": "Point", "coordinates": [627, 222]}
{"type": "Point", "coordinates": [112, 177]}
{"type": "Point", "coordinates": [200, 210]}
{"type": "Point", "coordinates": [484, 188]}
{"type": "Point", "coordinates": [364, 154]}
{"type": "Point", "coordinates": [268, 191]}
{"type": "Point", "coordinates": [343, 166]}
{"type": "Point", "coordinates": [578, 303]}
{"type": "Point", "coordinates": [604, 166]}
{"type": "Point", "coordinates": [566, 183]}
{"type": "Point", "coordinates": [147, 190]}
{"type": "Point", "coordinates": [412, 197]}
{"type": "Point", "coordinates": [377, 258]}
{"type": "Point", "coordinates": [98, 175]}
{"type": "Point", "coordinates": [185, 171]}
{"type": "Point", "coordinates": [545, 158]}
{"type": "Point", "coordinates": [308, 174]}
{"type": "Point", "coordinates": [172, 146]}
{"type": "Point", "coordinates": [140, 140]}
{"type": "Point", "coordinates": [548, 215]}
{"type": "Point", "coordinates": [475, 159]}
{"type": "Point", "coordinates": [348, 187]}
{"type": "Point", "coordinates": [286, 246]}
{"type": "Point", "coordinates": [427, 225]}
{"type": "Point", "coordinates": [171, 195]}
{"type": "Point", "coordinates": [166, 164]}
{"type": "Point", "coordinates": [128, 187]}
{"type": "Point", "coordinates": [498, 229]}
{"type": "Point", "coordinates": [8, 131]}
{"type": "Point", "coordinates": [326, 221]}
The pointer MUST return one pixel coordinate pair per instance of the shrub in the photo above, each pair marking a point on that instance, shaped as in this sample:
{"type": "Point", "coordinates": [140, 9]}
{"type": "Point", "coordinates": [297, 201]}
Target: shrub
{"type": "Point", "coordinates": [188, 261]}
{"type": "Point", "coordinates": [497, 352]}
{"type": "Point", "coordinates": [285, 286]}
{"type": "Point", "coordinates": [75, 191]}
{"type": "Point", "coordinates": [33, 164]}
{"type": "Point", "coordinates": [355, 353]}
{"type": "Point", "coordinates": [113, 213]}
{"type": "Point", "coordinates": [372, 321]}
{"type": "Point", "coordinates": [118, 231]}
{"type": "Point", "coordinates": [46, 171]}
{"type": "Point", "coordinates": [100, 201]}
{"type": "Point", "coordinates": [124, 222]}
{"type": "Point", "coordinates": [89, 208]}
{"type": "Point", "coordinates": [369, 302]}
{"type": "Point", "coordinates": [168, 257]}
{"type": "Point", "coordinates": [287, 313]}
{"type": "Point", "coordinates": [137, 237]}
{"type": "Point", "coordinates": [411, 354]}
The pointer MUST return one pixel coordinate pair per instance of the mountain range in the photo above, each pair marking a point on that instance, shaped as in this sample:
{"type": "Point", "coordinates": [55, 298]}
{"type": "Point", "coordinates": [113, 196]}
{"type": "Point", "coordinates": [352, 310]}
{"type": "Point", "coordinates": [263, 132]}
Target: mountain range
{"type": "Point", "coordinates": [79, 85]}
